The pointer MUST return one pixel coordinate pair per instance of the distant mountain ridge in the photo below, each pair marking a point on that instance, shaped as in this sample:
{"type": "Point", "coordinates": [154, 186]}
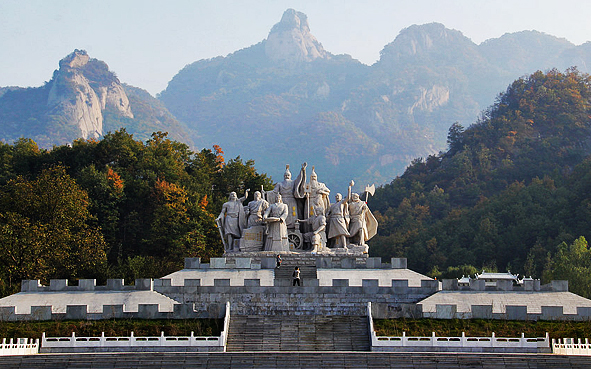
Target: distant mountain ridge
{"type": "Point", "coordinates": [286, 99]}
{"type": "Point", "coordinates": [349, 119]}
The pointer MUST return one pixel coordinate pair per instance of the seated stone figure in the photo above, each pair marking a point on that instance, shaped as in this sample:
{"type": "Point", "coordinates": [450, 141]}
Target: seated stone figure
{"type": "Point", "coordinates": [317, 237]}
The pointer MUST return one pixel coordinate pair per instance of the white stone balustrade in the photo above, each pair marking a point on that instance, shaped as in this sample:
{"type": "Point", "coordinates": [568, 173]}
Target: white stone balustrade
{"type": "Point", "coordinates": [460, 342]}
{"type": "Point", "coordinates": [463, 343]}
{"type": "Point", "coordinates": [571, 346]}
{"type": "Point", "coordinates": [134, 343]}
{"type": "Point", "coordinates": [131, 341]}
{"type": "Point", "coordinates": [19, 346]}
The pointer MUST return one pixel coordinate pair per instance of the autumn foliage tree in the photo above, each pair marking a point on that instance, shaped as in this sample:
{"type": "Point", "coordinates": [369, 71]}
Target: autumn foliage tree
{"type": "Point", "coordinates": [510, 189]}
{"type": "Point", "coordinates": [112, 208]}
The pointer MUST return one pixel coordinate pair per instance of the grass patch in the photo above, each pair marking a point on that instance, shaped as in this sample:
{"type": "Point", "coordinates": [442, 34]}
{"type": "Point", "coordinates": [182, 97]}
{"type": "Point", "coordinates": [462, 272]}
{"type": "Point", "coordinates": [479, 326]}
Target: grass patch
{"type": "Point", "coordinates": [113, 328]}
{"type": "Point", "coordinates": [482, 328]}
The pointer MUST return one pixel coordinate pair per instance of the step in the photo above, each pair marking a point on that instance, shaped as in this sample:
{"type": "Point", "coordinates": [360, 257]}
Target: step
{"type": "Point", "coordinates": [301, 333]}
{"type": "Point", "coordinates": [346, 360]}
{"type": "Point", "coordinates": [286, 272]}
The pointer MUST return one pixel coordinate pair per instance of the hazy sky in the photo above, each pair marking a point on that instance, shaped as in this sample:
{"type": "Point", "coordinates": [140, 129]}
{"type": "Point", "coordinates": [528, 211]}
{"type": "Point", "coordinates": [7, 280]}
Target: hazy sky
{"type": "Point", "coordinates": [146, 42]}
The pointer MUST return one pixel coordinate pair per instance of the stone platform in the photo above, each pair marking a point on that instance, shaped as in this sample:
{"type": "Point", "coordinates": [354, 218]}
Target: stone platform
{"type": "Point", "coordinates": [304, 360]}
{"type": "Point", "coordinates": [330, 286]}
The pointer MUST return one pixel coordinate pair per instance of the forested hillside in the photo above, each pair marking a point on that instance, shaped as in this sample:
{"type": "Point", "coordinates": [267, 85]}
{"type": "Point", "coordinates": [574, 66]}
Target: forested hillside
{"type": "Point", "coordinates": [511, 192]}
{"type": "Point", "coordinates": [114, 208]}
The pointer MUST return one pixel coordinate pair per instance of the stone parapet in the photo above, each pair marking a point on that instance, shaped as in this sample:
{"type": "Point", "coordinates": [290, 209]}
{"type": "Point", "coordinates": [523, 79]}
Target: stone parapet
{"type": "Point", "coordinates": [61, 285]}
{"type": "Point", "coordinates": [80, 312]}
{"type": "Point", "coordinates": [308, 299]}
{"type": "Point", "coordinates": [511, 312]}
{"type": "Point", "coordinates": [503, 285]}
{"type": "Point", "coordinates": [267, 260]}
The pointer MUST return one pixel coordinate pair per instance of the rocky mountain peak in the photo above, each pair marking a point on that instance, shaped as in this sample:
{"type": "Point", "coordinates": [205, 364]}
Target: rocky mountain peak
{"type": "Point", "coordinates": [290, 40]}
{"type": "Point", "coordinates": [425, 39]}
{"type": "Point", "coordinates": [82, 89]}
{"type": "Point", "coordinates": [292, 19]}
{"type": "Point", "coordinates": [76, 59]}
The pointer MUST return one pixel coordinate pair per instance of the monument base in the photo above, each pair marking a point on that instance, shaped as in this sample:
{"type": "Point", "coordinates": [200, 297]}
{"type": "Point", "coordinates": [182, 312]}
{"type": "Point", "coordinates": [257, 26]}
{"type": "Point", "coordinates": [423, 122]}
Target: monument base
{"type": "Point", "coordinates": [350, 251]}
{"type": "Point", "coordinates": [252, 239]}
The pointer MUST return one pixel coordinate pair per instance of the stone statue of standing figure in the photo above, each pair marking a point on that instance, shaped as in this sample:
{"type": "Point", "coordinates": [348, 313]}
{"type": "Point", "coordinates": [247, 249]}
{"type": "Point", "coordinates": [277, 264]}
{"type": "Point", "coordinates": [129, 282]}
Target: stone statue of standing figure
{"type": "Point", "coordinates": [338, 222]}
{"type": "Point", "coordinates": [363, 225]}
{"type": "Point", "coordinates": [232, 220]}
{"type": "Point", "coordinates": [291, 191]}
{"type": "Point", "coordinates": [317, 194]}
{"type": "Point", "coordinates": [256, 209]}
{"type": "Point", "coordinates": [298, 214]}
{"type": "Point", "coordinates": [276, 218]}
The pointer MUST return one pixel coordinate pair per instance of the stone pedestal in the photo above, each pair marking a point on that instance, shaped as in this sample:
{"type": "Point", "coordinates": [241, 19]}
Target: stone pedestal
{"type": "Point", "coordinates": [252, 239]}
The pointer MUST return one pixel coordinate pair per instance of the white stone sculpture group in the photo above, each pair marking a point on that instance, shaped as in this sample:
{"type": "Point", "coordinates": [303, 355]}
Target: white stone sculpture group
{"type": "Point", "coordinates": [297, 216]}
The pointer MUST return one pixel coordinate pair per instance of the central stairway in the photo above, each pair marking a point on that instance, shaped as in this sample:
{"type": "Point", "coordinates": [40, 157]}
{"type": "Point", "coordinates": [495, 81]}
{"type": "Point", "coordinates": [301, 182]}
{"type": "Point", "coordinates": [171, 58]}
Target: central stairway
{"type": "Point", "coordinates": [298, 333]}
{"type": "Point", "coordinates": [290, 329]}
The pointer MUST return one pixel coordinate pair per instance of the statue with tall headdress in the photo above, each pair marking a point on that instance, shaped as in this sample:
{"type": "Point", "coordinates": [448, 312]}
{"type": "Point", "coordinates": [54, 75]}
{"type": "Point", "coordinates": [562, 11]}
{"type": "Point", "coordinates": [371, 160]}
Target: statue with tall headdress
{"type": "Point", "coordinates": [317, 194]}
{"type": "Point", "coordinates": [292, 193]}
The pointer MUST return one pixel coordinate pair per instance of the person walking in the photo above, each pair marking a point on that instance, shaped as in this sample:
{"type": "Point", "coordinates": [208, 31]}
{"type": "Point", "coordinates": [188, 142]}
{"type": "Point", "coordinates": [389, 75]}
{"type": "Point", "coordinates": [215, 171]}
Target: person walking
{"type": "Point", "coordinates": [278, 260]}
{"type": "Point", "coordinates": [296, 276]}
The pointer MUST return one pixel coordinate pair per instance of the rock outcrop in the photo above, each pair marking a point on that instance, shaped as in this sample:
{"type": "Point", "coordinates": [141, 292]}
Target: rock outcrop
{"type": "Point", "coordinates": [290, 40]}
{"type": "Point", "coordinates": [81, 90]}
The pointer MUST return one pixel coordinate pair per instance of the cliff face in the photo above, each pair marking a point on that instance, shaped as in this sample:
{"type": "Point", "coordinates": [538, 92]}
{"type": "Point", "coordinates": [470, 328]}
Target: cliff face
{"type": "Point", "coordinates": [290, 40]}
{"type": "Point", "coordinates": [83, 99]}
{"type": "Point", "coordinates": [81, 90]}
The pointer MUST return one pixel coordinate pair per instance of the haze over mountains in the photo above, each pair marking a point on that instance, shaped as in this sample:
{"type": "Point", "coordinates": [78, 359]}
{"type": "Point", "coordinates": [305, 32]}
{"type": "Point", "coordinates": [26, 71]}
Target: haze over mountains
{"type": "Point", "coordinates": [288, 100]}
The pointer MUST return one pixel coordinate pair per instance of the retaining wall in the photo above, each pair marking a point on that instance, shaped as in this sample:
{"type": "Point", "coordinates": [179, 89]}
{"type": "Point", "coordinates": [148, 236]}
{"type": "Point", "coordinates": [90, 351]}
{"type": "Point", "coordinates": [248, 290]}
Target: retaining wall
{"type": "Point", "coordinates": [309, 299]}
{"type": "Point", "coordinates": [512, 312]}
{"type": "Point", "coordinates": [80, 312]}
{"type": "Point", "coordinates": [206, 297]}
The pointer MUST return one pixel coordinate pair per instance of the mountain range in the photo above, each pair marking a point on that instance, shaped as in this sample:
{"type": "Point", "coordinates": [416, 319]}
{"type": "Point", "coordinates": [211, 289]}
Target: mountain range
{"type": "Point", "coordinates": [288, 100]}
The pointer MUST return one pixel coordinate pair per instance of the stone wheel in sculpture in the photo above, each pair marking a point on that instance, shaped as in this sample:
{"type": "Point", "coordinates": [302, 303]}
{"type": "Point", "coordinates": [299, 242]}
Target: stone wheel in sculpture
{"type": "Point", "coordinates": [295, 240]}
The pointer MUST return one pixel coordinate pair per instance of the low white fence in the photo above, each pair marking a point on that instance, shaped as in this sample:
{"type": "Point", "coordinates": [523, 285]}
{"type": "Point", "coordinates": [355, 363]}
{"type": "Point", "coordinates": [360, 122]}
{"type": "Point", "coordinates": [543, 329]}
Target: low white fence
{"type": "Point", "coordinates": [571, 346]}
{"type": "Point", "coordinates": [518, 343]}
{"type": "Point", "coordinates": [133, 343]}
{"type": "Point", "coordinates": [463, 343]}
{"type": "Point", "coordinates": [19, 346]}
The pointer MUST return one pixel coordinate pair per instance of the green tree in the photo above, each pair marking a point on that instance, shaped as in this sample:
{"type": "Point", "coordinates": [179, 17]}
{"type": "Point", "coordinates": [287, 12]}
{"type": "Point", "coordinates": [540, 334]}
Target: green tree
{"type": "Point", "coordinates": [573, 263]}
{"type": "Point", "coordinates": [45, 222]}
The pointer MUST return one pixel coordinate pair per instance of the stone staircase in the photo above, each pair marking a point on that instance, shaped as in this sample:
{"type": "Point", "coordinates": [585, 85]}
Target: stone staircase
{"type": "Point", "coordinates": [307, 360]}
{"type": "Point", "coordinates": [307, 265]}
{"type": "Point", "coordinates": [298, 333]}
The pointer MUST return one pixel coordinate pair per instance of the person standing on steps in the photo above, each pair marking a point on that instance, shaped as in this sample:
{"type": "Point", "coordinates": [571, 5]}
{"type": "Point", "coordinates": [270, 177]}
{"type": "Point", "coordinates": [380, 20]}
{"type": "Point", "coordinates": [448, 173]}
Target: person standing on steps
{"type": "Point", "coordinates": [296, 276]}
{"type": "Point", "coordinates": [278, 260]}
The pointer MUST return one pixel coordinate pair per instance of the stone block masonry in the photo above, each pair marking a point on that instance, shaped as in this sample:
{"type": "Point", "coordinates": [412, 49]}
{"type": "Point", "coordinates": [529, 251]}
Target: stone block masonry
{"type": "Point", "coordinates": [331, 286]}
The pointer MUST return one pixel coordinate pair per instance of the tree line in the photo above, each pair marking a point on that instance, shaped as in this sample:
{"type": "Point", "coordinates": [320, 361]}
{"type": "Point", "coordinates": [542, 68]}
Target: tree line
{"type": "Point", "coordinates": [512, 192]}
{"type": "Point", "coordinates": [114, 208]}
